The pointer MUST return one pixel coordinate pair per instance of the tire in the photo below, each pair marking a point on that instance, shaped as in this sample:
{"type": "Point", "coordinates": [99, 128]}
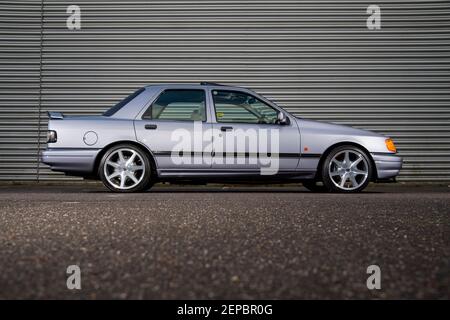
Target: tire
{"type": "Point", "coordinates": [314, 186]}
{"type": "Point", "coordinates": [348, 163]}
{"type": "Point", "coordinates": [115, 167]}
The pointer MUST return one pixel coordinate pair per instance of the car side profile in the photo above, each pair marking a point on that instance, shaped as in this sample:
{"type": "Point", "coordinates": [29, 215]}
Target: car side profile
{"type": "Point", "coordinates": [214, 133]}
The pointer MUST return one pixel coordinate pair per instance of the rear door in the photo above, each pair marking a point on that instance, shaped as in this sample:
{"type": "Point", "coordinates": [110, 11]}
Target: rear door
{"type": "Point", "coordinates": [175, 128]}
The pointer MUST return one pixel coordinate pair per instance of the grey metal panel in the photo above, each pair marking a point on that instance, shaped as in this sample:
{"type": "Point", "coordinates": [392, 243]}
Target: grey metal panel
{"type": "Point", "coordinates": [20, 35]}
{"type": "Point", "coordinates": [315, 58]}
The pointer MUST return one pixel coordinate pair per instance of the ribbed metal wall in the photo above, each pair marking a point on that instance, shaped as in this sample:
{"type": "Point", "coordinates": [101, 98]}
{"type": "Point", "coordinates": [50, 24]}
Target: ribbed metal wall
{"type": "Point", "coordinates": [315, 58]}
{"type": "Point", "coordinates": [20, 42]}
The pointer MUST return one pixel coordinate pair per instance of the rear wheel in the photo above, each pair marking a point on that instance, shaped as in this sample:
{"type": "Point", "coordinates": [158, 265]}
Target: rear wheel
{"type": "Point", "coordinates": [125, 168]}
{"type": "Point", "coordinates": [346, 169]}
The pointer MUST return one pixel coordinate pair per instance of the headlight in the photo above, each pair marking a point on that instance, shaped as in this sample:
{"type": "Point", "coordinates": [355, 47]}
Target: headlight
{"type": "Point", "coordinates": [390, 145]}
{"type": "Point", "coordinates": [51, 136]}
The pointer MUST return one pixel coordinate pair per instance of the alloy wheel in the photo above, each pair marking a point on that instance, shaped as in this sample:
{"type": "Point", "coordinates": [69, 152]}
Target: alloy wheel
{"type": "Point", "coordinates": [348, 170]}
{"type": "Point", "coordinates": [124, 168]}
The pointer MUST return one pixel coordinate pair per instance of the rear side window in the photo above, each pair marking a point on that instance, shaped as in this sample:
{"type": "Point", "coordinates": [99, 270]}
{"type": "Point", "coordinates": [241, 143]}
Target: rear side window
{"type": "Point", "coordinates": [178, 104]}
{"type": "Point", "coordinates": [122, 103]}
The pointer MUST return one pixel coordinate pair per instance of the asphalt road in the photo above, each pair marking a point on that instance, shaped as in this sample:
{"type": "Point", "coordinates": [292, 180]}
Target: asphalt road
{"type": "Point", "coordinates": [232, 243]}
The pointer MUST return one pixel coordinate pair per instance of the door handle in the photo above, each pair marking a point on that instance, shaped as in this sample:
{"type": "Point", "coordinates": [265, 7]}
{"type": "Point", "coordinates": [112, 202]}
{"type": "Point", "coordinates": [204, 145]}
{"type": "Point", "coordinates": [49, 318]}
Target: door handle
{"type": "Point", "coordinates": [151, 126]}
{"type": "Point", "coordinates": [226, 128]}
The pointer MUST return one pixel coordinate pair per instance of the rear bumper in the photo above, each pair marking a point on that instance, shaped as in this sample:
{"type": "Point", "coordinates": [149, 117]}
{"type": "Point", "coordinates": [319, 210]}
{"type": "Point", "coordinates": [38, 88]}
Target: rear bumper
{"type": "Point", "coordinates": [70, 160]}
{"type": "Point", "coordinates": [387, 165]}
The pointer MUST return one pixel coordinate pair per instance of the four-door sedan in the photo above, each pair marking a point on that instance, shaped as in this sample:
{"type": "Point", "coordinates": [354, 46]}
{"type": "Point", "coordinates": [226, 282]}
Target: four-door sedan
{"type": "Point", "coordinates": [211, 132]}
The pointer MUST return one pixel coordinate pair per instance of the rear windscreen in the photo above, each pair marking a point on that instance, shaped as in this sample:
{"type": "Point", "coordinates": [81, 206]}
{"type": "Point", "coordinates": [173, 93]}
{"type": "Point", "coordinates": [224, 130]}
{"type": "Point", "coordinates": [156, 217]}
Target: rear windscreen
{"type": "Point", "coordinates": [122, 103]}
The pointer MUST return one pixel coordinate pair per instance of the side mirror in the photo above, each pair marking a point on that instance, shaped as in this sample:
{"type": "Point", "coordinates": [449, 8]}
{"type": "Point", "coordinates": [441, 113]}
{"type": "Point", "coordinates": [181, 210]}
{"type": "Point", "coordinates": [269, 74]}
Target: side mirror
{"type": "Point", "coordinates": [282, 119]}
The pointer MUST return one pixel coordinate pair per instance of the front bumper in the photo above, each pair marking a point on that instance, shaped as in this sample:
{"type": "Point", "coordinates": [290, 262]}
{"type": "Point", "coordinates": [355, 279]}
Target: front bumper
{"type": "Point", "coordinates": [70, 159]}
{"type": "Point", "coordinates": [387, 165]}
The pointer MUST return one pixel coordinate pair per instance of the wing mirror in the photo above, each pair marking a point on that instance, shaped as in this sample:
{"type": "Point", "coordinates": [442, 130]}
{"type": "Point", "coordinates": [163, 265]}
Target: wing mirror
{"type": "Point", "coordinates": [282, 119]}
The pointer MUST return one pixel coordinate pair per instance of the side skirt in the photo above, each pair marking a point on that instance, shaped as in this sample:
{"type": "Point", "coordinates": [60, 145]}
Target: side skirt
{"type": "Point", "coordinates": [235, 175]}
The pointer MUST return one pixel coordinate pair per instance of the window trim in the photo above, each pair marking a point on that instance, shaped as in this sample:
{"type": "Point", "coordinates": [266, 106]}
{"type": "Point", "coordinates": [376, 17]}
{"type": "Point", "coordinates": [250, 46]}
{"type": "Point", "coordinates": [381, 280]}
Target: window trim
{"type": "Point", "coordinates": [143, 117]}
{"type": "Point", "coordinates": [247, 93]}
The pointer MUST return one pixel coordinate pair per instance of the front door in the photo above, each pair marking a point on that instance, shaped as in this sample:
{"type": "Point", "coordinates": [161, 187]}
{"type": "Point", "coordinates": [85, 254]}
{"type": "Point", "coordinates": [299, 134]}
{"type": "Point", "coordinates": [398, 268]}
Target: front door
{"type": "Point", "coordinates": [248, 136]}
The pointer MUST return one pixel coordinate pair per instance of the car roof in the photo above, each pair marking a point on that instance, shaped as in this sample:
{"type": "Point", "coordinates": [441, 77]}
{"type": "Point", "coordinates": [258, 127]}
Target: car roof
{"type": "Point", "coordinates": [196, 86]}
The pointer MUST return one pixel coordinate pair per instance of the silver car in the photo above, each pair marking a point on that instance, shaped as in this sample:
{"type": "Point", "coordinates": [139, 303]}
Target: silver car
{"type": "Point", "coordinates": [210, 132]}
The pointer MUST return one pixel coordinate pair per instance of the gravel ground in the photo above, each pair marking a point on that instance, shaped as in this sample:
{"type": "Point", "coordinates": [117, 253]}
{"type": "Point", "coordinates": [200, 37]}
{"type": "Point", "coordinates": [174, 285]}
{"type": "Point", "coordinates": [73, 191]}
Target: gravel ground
{"type": "Point", "coordinates": [224, 243]}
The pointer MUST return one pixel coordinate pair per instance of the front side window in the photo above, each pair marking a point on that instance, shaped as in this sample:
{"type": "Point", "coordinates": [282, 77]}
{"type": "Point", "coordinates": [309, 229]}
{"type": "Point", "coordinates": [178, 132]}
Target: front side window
{"type": "Point", "coordinates": [185, 105]}
{"type": "Point", "coordinates": [234, 106]}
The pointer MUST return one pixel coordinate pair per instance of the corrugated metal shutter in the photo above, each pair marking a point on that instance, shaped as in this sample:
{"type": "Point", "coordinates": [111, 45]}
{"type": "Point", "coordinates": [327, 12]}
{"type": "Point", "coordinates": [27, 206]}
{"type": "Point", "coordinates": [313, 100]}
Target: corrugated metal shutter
{"type": "Point", "coordinates": [316, 58]}
{"type": "Point", "coordinates": [20, 34]}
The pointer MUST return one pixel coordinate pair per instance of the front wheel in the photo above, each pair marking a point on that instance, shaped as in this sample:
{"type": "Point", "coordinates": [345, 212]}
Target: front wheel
{"type": "Point", "coordinates": [346, 169]}
{"type": "Point", "coordinates": [125, 168]}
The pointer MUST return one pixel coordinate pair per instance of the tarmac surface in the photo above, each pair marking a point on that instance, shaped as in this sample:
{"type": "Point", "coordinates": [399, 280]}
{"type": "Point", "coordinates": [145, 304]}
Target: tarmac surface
{"type": "Point", "coordinates": [224, 242]}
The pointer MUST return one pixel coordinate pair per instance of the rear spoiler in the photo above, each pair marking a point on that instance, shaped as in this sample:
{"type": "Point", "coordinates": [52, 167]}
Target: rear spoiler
{"type": "Point", "coordinates": [55, 115]}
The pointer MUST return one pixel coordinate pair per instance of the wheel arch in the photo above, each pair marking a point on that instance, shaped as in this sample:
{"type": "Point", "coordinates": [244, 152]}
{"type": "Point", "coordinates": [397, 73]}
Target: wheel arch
{"type": "Point", "coordinates": [346, 143]}
{"type": "Point", "coordinates": [144, 148]}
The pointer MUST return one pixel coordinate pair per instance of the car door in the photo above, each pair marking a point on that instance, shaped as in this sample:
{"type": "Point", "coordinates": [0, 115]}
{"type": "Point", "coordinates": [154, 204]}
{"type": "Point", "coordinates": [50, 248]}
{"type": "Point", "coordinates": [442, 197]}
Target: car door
{"type": "Point", "coordinates": [249, 137]}
{"type": "Point", "coordinates": [175, 129]}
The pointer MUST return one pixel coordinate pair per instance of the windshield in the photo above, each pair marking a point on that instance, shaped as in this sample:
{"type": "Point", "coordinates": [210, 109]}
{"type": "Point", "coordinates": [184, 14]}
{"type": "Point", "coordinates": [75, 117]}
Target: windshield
{"type": "Point", "coordinates": [122, 103]}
